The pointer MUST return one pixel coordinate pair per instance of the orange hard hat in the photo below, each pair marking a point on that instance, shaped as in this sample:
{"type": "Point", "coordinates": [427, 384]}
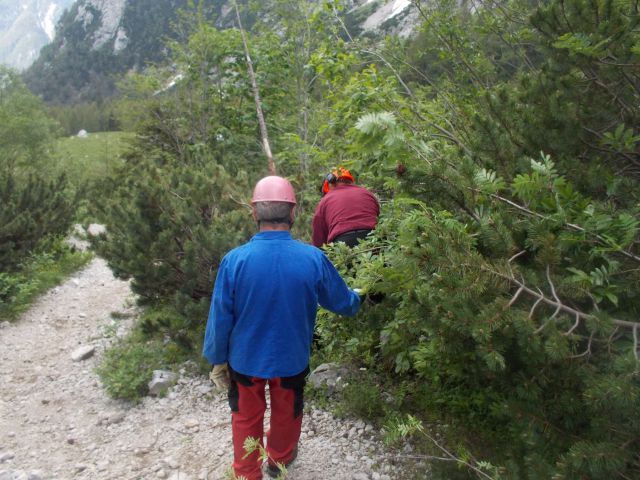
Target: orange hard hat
{"type": "Point", "coordinates": [339, 173]}
{"type": "Point", "coordinates": [274, 189]}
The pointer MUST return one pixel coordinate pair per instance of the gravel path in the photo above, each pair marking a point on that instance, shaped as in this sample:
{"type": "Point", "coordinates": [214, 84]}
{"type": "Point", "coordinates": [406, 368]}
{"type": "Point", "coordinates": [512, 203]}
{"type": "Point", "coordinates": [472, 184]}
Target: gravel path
{"type": "Point", "coordinates": [56, 422]}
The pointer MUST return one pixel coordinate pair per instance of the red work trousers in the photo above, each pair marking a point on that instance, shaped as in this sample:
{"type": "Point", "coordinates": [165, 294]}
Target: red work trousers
{"type": "Point", "coordinates": [248, 405]}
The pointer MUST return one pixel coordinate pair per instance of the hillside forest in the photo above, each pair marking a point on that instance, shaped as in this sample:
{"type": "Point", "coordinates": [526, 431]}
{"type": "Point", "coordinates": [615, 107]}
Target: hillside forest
{"type": "Point", "coordinates": [502, 141]}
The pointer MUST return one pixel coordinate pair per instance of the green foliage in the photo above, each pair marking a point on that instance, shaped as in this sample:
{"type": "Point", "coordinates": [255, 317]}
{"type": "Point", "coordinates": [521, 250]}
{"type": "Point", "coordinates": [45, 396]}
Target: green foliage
{"type": "Point", "coordinates": [87, 162]}
{"type": "Point", "coordinates": [502, 142]}
{"type": "Point", "coordinates": [363, 397]}
{"type": "Point", "coordinates": [45, 267]}
{"type": "Point", "coordinates": [177, 202]}
{"type": "Point", "coordinates": [91, 116]}
{"type": "Point", "coordinates": [33, 205]}
{"type": "Point", "coordinates": [25, 130]}
{"type": "Point", "coordinates": [161, 338]}
{"type": "Point", "coordinates": [127, 368]}
{"type": "Point", "coordinates": [32, 209]}
{"type": "Point", "coordinates": [510, 189]}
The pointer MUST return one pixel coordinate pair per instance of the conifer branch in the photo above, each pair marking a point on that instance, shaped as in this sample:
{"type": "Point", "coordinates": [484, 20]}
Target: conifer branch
{"type": "Point", "coordinates": [587, 352]}
{"type": "Point", "coordinates": [557, 303]}
{"type": "Point", "coordinates": [575, 325]}
{"type": "Point", "coordinates": [521, 252]}
{"type": "Point", "coordinates": [533, 308]}
{"type": "Point", "coordinates": [256, 96]}
{"type": "Point", "coordinates": [515, 297]}
{"type": "Point", "coordinates": [571, 226]}
{"type": "Point", "coordinates": [239, 202]}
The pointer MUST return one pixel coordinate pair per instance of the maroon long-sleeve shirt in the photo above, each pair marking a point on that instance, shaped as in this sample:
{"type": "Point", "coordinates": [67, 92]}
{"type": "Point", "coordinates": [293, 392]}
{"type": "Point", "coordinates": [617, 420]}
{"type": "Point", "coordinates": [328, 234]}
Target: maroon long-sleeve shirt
{"type": "Point", "coordinates": [345, 208]}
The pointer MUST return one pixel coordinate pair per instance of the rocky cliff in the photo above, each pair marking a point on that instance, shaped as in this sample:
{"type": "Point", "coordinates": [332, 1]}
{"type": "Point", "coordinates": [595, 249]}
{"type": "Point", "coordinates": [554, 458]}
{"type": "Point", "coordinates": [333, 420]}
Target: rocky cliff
{"type": "Point", "coordinates": [98, 40]}
{"type": "Point", "coordinates": [25, 27]}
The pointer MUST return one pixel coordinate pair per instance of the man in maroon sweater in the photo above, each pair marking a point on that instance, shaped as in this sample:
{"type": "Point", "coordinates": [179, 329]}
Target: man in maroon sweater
{"type": "Point", "coordinates": [346, 213]}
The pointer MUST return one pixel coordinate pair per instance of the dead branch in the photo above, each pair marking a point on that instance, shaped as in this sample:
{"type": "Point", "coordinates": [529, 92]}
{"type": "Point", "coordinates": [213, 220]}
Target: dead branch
{"type": "Point", "coordinates": [256, 96]}
{"type": "Point", "coordinates": [575, 325]}
{"type": "Point", "coordinates": [587, 352]}
{"type": "Point", "coordinates": [556, 303]}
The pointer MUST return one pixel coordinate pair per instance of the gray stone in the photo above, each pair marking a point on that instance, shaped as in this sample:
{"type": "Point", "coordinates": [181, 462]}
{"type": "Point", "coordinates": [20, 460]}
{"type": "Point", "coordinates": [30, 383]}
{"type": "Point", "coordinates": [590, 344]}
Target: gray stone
{"type": "Point", "coordinates": [82, 353]}
{"type": "Point", "coordinates": [179, 476]}
{"type": "Point", "coordinates": [204, 389]}
{"type": "Point", "coordinates": [79, 231]}
{"type": "Point", "coordinates": [329, 374]}
{"type": "Point", "coordinates": [192, 423]}
{"type": "Point", "coordinates": [115, 418]}
{"type": "Point", "coordinates": [95, 229]}
{"type": "Point", "coordinates": [161, 381]}
{"type": "Point", "coordinates": [4, 456]}
{"type": "Point", "coordinates": [12, 475]}
{"type": "Point", "coordinates": [360, 476]}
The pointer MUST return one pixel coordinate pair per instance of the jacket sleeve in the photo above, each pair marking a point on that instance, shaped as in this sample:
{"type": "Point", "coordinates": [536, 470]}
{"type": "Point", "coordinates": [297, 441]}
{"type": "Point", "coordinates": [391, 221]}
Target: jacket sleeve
{"type": "Point", "coordinates": [220, 322]}
{"type": "Point", "coordinates": [334, 294]}
{"type": "Point", "coordinates": [320, 230]}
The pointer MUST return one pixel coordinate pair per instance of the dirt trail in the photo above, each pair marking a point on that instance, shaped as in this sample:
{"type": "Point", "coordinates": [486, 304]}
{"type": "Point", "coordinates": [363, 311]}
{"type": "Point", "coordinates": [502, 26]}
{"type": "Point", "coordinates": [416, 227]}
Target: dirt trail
{"type": "Point", "coordinates": [56, 422]}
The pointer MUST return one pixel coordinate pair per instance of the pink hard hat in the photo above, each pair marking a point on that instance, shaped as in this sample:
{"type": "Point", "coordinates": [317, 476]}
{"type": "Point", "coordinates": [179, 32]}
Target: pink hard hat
{"type": "Point", "coordinates": [274, 189]}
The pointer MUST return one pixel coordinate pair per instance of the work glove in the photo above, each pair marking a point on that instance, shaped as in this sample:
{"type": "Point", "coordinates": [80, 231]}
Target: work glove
{"type": "Point", "coordinates": [219, 375]}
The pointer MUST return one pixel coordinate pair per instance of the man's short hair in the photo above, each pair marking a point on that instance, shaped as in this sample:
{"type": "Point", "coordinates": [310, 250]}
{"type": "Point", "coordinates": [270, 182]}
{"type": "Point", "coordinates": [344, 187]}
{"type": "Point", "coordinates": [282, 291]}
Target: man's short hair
{"type": "Point", "coordinates": [273, 212]}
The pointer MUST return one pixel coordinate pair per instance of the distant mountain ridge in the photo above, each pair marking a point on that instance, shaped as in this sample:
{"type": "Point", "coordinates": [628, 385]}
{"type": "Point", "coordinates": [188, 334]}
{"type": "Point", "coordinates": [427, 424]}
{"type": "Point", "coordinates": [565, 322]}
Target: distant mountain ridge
{"type": "Point", "coordinates": [99, 40]}
{"type": "Point", "coordinates": [25, 27]}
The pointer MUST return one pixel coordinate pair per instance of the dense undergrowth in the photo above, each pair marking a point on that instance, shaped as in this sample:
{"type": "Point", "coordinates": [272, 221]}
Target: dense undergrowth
{"type": "Point", "coordinates": [502, 144]}
{"type": "Point", "coordinates": [502, 141]}
{"type": "Point", "coordinates": [37, 205]}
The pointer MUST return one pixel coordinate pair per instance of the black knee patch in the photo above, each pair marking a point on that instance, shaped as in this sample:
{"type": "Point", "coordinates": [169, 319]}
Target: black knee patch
{"type": "Point", "coordinates": [296, 383]}
{"type": "Point", "coordinates": [233, 393]}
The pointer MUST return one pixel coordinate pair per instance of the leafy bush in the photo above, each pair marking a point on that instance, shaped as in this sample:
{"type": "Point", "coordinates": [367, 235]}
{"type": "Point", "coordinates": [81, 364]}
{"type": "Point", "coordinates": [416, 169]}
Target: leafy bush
{"type": "Point", "coordinates": [509, 238]}
{"type": "Point", "coordinates": [161, 338]}
{"type": "Point", "coordinates": [127, 368]}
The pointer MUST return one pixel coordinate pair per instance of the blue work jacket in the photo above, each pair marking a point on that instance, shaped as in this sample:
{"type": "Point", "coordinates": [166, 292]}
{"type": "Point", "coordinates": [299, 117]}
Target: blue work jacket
{"type": "Point", "coordinates": [264, 304]}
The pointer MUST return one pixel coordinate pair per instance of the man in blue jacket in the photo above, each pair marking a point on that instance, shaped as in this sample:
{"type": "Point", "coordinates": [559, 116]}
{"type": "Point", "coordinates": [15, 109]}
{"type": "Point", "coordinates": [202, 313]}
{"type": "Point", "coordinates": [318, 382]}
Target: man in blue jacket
{"type": "Point", "coordinates": [261, 322]}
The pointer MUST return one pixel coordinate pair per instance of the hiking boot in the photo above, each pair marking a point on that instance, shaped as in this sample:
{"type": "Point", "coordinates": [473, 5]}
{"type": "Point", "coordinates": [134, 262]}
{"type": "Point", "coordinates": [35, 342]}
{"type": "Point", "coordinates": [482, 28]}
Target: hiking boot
{"type": "Point", "coordinates": [273, 471]}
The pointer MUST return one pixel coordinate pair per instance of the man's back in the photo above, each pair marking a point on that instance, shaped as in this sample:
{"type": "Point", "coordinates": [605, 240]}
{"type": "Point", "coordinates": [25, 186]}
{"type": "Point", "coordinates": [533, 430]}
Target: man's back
{"type": "Point", "coordinates": [267, 293]}
{"type": "Point", "coordinates": [345, 208]}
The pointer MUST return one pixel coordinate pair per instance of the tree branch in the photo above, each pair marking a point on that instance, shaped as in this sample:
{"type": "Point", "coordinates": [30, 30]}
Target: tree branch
{"type": "Point", "coordinates": [557, 303]}
{"type": "Point", "coordinates": [571, 226]}
{"type": "Point", "coordinates": [256, 96]}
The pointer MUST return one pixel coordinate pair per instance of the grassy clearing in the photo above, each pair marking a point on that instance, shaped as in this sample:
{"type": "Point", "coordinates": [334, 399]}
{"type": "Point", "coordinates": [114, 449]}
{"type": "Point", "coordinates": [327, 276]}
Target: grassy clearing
{"type": "Point", "coordinates": [42, 270]}
{"type": "Point", "coordinates": [86, 160]}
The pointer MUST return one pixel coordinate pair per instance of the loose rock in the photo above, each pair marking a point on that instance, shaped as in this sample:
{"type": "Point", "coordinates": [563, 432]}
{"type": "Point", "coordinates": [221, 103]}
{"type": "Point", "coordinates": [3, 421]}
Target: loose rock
{"type": "Point", "coordinates": [82, 353]}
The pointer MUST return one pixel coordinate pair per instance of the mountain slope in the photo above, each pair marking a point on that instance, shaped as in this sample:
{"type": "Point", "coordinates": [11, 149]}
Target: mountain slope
{"type": "Point", "coordinates": [96, 42]}
{"type": "Point", "coordinates": [25, 27]}
{"type": "Point", "coordinates": [99, 40]}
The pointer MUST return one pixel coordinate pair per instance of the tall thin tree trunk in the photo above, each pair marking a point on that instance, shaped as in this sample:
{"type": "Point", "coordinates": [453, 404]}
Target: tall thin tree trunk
{"type": "Point", "coordinates": [256, 96]}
